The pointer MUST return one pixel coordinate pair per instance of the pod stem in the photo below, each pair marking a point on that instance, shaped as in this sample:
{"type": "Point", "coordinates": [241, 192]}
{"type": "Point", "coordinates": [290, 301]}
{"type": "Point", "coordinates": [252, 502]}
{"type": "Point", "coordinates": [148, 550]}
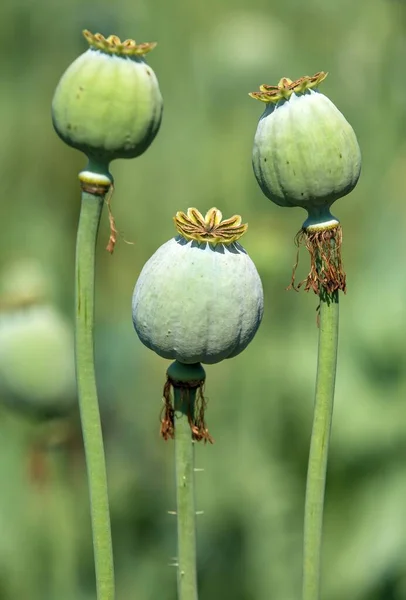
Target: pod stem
{"type": "Point", "coordinates": [90, 213]}
{"type": "Point", "coordinates": [187, 382]}
{"type": "Point", "coordinates": [320, 437]}
{"type": "Point", "coordinates": [185, 498]}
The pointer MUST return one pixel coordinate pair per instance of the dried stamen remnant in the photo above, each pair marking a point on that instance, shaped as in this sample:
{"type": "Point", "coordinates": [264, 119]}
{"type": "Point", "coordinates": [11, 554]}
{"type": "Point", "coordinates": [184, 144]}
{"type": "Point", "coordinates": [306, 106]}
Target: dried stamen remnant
{"type": "Point", "coordinates": [326, 274]}
{"type": "Point", "coordinates": [112, 222]}
{"type": "Point", "coordinates": [192, 404]}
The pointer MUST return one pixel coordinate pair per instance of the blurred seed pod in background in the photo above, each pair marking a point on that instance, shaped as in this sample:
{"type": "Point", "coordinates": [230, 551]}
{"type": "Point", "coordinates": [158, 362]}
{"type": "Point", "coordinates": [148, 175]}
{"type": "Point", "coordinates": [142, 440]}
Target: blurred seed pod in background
{"type": "Point", "coordinates": [37, 372]}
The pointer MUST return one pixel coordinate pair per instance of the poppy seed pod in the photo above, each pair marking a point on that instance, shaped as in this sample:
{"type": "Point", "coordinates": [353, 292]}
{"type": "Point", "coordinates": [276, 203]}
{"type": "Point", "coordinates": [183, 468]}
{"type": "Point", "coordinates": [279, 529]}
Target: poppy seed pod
{"type": "Point", "coordinates": [199, 298]}
{"type": "Point", "coordinates": [108, 103]}
{"type": "Point", "coordinates": [306, 154]}
{"type": "Point", "coordinates": [37, 371]}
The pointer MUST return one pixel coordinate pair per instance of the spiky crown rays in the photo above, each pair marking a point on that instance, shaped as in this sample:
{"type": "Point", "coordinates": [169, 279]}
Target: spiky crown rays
{"type": "Point", "coordinates": [210, 228]}
{"type": "Point", "coordinates": [113, 45]}
{"type": "Point", "coordinates": [286, 87]}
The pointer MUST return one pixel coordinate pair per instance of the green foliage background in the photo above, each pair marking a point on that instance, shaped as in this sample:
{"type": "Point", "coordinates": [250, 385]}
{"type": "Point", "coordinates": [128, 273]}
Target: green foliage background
{"type": "Point", "coordinates": [210, 55]}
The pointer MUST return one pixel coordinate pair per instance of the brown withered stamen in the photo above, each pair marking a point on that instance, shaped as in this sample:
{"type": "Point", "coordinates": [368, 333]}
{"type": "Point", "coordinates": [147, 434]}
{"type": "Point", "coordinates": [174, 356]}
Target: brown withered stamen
{"type": "Point", "coordinates": [195, 412]}
{"type": "Point", "coordinates": [167, 414]}
{"type": "Point", "coordinates": [112, 222]}
{"type": "Point", "coordinates": [326, 275]}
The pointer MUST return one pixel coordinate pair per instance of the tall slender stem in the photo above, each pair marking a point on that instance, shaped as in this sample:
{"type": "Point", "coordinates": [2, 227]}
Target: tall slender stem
{"type": "Point", "coordinates": [186, 382]}
{"type": "Point", "coordinates": [185, 494]}
{"type": "Point", "coordinates": [91, 208]}
{"type": "Point", "coordinates": [316, 475]}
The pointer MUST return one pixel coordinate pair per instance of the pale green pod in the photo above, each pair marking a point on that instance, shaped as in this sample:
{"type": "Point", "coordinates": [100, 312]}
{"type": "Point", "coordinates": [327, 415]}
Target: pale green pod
{"type": "Point", "coordinates": [198, 300]}
{"type": "Point", "coordinates": [305, 152]}
{"type": "Point", "coordinates": [36, 359]}
{"type": "Point", "coordinates": [108, 103]}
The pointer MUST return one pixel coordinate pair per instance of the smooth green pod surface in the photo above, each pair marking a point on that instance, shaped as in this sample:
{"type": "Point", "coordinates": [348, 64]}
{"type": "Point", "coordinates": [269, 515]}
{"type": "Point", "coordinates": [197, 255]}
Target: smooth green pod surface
{"type": "Point", "coordinates": [198, 302]}
{"type": "Point", "coordinates": [108, 105]}
{"type": "Point", "coordinates": [305, 152]}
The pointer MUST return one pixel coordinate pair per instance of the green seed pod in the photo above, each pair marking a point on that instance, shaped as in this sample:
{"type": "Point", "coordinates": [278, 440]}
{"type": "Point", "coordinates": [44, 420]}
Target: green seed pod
{"type": "Point", "coordinates": [36, 360]}
{"type": "Point", "coordinates": [305, 152]}
{"type": "Point", "coordinates": [108, 103]}
{"type": "Point", "coordinates": [199, 298]}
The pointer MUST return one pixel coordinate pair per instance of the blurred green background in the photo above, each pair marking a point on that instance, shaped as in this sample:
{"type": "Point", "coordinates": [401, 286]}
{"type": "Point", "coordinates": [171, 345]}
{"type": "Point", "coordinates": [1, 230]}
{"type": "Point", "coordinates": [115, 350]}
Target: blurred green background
{"type": "Point", "coordinates": [210, 55]}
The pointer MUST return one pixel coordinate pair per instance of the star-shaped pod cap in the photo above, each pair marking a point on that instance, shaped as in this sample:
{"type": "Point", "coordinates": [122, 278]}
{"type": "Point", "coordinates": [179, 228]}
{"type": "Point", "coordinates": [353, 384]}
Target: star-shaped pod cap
{"type": "Point", "coordinates": [210, 228]}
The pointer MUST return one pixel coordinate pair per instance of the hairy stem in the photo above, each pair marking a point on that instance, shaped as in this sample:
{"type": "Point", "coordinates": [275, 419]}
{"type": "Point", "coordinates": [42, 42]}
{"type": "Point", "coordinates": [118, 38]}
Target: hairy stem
{"type": "Point", "coordinates": [186, 382]}
{"type": "Point", "coordinates": [185, 494]}
{"type": "Point", "coordinates": [316, 475]}
{"type": "Point", "coordinates": [90, 214]}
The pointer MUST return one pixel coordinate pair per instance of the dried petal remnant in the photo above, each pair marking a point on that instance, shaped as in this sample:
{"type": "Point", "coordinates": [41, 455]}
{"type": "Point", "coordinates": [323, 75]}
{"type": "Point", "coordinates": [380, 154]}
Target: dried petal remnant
{"type": "Point", "coordinates": [210, 228]}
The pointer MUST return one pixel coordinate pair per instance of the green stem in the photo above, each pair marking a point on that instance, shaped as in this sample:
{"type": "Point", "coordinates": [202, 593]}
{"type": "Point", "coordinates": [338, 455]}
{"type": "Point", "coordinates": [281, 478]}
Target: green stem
{"type": "Point", "coordinates": [90, 214]}
{"type": "Point", "coordinates": [316, 475]}
{"type": "Point", "coordinates": [184, 405]}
